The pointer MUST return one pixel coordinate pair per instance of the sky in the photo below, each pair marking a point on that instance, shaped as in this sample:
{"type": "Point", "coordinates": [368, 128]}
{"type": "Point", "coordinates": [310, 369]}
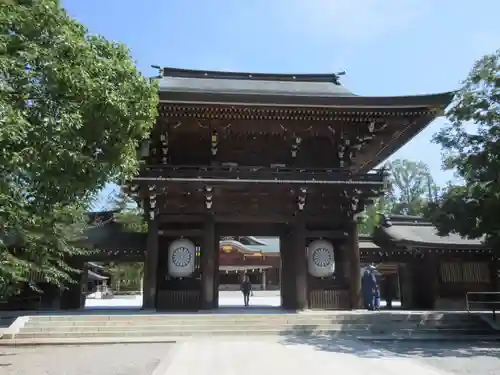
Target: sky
{"type": "Point", "coordinates": [387, 47]}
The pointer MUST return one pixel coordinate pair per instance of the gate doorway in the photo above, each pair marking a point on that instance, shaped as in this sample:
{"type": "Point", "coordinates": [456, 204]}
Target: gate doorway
{"type": "Point", "coordinates": [256, 259]}
{"type": "Point", "coordinates": [113, 285]}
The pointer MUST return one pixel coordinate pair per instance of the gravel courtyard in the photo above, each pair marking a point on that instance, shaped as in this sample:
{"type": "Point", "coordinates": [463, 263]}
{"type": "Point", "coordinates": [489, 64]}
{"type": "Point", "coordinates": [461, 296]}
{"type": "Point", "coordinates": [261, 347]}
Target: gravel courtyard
{"type": "Point", "coordinates": [443, 358]}
{"type": "Point", "coordinates": [464, 358]}
{"type": "Point", "coordinates": [126, 359]}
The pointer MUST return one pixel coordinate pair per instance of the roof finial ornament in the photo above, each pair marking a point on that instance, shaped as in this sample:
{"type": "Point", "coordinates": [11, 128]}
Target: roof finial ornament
{"type": "Point", "coordinates": [160, 70]}
{"type": "Point", "coordinates": [336, 77]}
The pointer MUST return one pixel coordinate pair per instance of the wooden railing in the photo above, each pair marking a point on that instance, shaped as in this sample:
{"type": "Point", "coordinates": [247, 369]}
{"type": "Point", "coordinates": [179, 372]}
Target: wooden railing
{"type": "Point", "coordinates": [260, 174]}
{"type": "Point", "coordinates": [329, 299]}
{"type": "Point", "coordinates": [483, 301]}
{"type": "Point", "coordinates": [178, 300]}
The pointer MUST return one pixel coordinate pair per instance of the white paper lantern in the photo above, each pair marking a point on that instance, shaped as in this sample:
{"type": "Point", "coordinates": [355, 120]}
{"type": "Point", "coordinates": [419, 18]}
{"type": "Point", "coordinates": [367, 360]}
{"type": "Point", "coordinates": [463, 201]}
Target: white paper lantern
{"type": "Point", "coordinates": [321, 258]}
{"type": "Point", "coordinates": [181, 258]}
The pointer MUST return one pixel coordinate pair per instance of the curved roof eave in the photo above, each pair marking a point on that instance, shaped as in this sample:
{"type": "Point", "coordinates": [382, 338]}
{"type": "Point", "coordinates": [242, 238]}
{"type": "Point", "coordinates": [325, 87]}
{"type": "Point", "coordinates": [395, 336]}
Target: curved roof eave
{"type": "Point", "coordinates": [439, 100]}
{"type": "Point", "coordinates": [426, 236]}
{"type": "Point", "coordinates": [248, 249]}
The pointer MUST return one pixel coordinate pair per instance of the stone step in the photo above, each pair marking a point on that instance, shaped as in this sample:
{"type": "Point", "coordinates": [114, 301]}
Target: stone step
{"type": "Point", "coordinates": [184, 332]}
{"type": "Point", "coordinates": [185, 320]}
{"type": "Point", "coordinates": [251, 317]}
{"type": "Point", "coordinates": [168, 328]}
{"type": "Point", "coordinates": [249, 320]}
{"type": "Point", "coordinates": [174, 339]}
{"type": "Point", "coordinates": [285, 327]}
{"type": "Point", "coordinates": [246, 325]}
{"type": "Point", "coordinates": [209, 332]}
{"type": "Point", "coordinates": [34, 322]}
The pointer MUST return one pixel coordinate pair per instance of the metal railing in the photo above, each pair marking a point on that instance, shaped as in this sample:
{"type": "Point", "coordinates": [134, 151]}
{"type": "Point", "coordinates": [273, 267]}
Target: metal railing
{"type": "Point", "coordinates": [489, 301]}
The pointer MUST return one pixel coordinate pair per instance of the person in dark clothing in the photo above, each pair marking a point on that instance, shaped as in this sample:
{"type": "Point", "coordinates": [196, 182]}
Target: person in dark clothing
{"type": "Point", "coordinates": [376, 295]}
{"type": "Point", "coordinates": [246, 289]}
{"type": "Point", "coordinates": [369, 288]}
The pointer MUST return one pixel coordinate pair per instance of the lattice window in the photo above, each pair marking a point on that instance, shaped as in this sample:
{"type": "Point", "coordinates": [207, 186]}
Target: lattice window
{"type": "Point", "coordinates": [467, 272]}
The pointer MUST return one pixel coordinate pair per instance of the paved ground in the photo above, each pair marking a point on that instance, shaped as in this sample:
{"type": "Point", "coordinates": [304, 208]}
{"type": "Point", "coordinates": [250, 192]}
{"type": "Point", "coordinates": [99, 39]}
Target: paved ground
{"type": "Point", "coordinates": [292, 355]}
{"type": "Point", "coordinates": [133, 359]}
{"type": "Point", "coordinates": [282, 356]}
{"type": "Point", "coordinates": [266, 298]}
{"type": "Point", "coordinates": [480, 358]}
{"type": "Point", "coordinates": [244, 356]}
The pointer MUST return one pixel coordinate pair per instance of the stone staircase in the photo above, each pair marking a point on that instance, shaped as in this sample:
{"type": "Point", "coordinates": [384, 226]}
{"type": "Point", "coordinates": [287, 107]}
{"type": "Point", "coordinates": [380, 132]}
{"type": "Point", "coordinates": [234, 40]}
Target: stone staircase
{"type": "Point", "coordinates": [394, 325]}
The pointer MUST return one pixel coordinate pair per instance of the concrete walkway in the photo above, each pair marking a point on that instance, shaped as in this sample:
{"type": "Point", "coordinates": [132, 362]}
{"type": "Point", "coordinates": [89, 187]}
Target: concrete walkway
{"type": "Point", "coordinates": [266, 355]}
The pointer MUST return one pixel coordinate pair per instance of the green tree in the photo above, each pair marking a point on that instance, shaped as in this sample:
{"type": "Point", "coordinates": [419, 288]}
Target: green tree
{"type": "Point", "coordinates": [73, 111]}
{"type": "Point", "coordinates": [411, 187]}
{"type": "Point", "coordinates": [368, 221]}
{"type": "Point", "coordinates": [471, 143]}
{"type": "Point", "coordinates": [130, 215]}
{"type": "Point", "coordinates": [127, 276]}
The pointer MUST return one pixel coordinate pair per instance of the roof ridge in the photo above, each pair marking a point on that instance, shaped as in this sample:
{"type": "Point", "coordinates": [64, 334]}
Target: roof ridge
{"type": "Point", "coordinates": [215, 74]}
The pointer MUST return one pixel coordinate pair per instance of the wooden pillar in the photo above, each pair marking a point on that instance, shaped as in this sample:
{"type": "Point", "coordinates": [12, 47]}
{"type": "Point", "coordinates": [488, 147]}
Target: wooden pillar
{"type": "Point", "coordinates": [84, 278]}
{"type": "Point", "coordinates": [216, 267]}
{"type": "Point", "coordinates": [425, 282]}
{"type": "Point", "coordinates": [300, 262]}
{"type": "Point", "coordinates": [432, 267]}
{"type": "Point", "coordinates": [150, 266]}
{"type": "Point", "coordinates": [287, 274]}
{"type": "Point", "coordinates": [208, 270]}
{"type": "Point", "coordinates": [354, 266]}
{"type": "Point", "coordinates": [71, 297]}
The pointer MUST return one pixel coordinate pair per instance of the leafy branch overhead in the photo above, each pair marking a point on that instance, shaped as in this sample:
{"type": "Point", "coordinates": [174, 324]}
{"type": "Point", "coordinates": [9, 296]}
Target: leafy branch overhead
{"type": "Point", "coordinates": [471, 143]}
{"type": "Point", "coordinates": [73, 111]}
{"type": "Point", "coordinates": [411, 188]}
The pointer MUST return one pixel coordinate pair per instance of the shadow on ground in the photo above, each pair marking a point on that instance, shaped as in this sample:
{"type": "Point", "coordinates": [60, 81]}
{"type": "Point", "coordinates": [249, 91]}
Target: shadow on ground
{"type": "Point", "coordinates": [396, 348]}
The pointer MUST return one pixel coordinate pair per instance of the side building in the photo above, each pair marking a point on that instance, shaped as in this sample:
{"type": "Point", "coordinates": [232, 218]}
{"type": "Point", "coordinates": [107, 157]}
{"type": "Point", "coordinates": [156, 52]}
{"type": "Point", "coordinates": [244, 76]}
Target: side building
{"type": "Point", "coordinates": [429, 271]}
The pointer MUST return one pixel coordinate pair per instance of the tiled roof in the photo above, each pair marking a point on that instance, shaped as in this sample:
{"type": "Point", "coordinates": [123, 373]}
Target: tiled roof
{"type": "Point", "coordinates": [416, 230]}
{"type": "Point", "coordinates": [185, 85]}
{"type": "Point", "coordinates": [214, 82]}
{"type": "Point", "coordinates": [366, 243]}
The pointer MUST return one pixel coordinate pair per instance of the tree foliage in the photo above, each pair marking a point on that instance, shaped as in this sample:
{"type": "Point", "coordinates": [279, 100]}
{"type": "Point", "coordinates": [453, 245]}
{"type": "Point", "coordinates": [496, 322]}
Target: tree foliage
{"type": "Point", "coordinates": [130, 216]}
{"type": "Point", "coordinates": [369, 220]}
{"type": "Point", "coordinates": [411, 188]}
{"type": "Point", "coordinates": [471, 143]}
{"type": "Point", "coordinates": [127, 276]}
{"type": "Point", "coordinates": [73, 110]}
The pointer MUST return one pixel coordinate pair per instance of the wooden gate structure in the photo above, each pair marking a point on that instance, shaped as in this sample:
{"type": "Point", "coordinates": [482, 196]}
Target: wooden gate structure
{"type": "Point", "coordinates": [281, 155]}
{"type": "Point", "coordinates": [291, 156]}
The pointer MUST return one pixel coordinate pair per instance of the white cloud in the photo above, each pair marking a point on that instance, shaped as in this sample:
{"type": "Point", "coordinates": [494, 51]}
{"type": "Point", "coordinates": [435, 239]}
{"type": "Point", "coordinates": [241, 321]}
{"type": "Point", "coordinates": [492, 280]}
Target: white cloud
{"type": "Point", "coordinates": [355, 19]}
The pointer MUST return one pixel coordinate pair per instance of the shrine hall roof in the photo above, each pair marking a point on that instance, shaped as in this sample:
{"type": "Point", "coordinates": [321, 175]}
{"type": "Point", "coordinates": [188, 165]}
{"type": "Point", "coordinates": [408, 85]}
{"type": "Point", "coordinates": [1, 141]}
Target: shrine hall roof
{"type": "Point", "coordinates": [94, 276]}
{"type": "Point", "coordinates": [366, 243]}
{"type": "Point", "coordinates": [264, 245]}
{"type": "Point", "coordinates": [186, 85]}
{"type": "Point", "coordinates": [414, 230]}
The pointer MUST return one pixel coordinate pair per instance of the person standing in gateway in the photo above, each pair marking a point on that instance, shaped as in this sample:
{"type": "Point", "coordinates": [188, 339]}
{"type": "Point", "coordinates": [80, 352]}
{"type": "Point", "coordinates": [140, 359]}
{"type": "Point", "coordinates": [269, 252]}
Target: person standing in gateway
{"type": "Point", "coordinates": [246, 289]}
